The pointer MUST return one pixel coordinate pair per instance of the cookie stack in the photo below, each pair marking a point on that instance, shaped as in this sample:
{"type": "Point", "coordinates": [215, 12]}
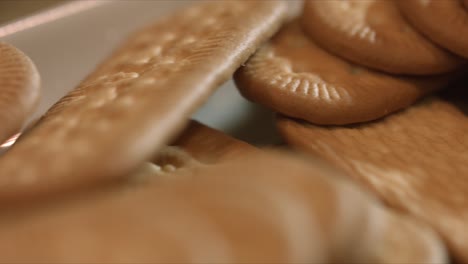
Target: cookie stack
{"type": "Point", "coordinates": [345, 62]}
{"type": "Point", "coordinates": [115, 172]}
{"type": "Point", "coordinates": [355, 75]}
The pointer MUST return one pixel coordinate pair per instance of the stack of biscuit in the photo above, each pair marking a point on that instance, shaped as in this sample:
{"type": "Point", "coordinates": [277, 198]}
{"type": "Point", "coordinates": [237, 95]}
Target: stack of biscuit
{"type": "Point", "coordinates": [375, 167]}
{"type": "Point", "coordinates": [351, 80]}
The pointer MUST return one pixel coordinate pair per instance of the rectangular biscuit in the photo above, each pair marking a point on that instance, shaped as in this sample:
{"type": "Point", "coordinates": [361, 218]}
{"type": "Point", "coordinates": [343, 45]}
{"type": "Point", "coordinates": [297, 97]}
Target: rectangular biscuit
{"type": "Point", "coordinates": [138, 99]}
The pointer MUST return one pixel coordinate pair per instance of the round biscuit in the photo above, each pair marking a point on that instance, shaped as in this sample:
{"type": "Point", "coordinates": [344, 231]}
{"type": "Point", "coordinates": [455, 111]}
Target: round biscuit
{"type": "Point", "coordinates": [374, 33]}
{"type": "Point", "coordinates": [444, 22]}
{"type": "Point", "coordinates": [19, 90]}
{"type": "Point", "coordinates": [293, 76]}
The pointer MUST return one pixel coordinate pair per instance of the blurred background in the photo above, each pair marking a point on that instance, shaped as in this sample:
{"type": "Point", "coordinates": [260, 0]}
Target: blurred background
{"type": "Point", "coordinates": [13, 9]}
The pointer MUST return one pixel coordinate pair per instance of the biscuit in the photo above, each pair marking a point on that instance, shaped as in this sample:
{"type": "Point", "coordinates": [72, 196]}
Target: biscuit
{"type": "Point", "coordinates": [138, 99]}
{"type": "Point", "coordinates": [197, 145]}
{"type": "Point", "coordinates": [200, 144]}
{"type": "Point", "coordinates": [262, 208]}
{"type": "Point", "coordinates": [374, 33]}
{"type": "Point", "coordinates": [444, 22]}
{"type": "Point", "coordinates": [19, 90]}
{"type": "Point", "coordinates": [415, 160]}
{"type": "Point", "coordinates": [295, 77]}
{"type": "Point", "coordinates": [209, 145]}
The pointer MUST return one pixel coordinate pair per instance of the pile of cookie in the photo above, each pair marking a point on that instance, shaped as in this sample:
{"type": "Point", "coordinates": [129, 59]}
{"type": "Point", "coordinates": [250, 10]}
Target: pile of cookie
{"type": "Point", "coordinates": [375, 169]}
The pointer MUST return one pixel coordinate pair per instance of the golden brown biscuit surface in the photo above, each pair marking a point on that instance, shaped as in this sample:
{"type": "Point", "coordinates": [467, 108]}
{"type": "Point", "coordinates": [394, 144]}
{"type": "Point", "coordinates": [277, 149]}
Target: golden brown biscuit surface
{"type": "Point", "coordinates": [375, 34]}
{"type": "Point", "coordinates": [261, 208]}
{"type": "Point", "coordinates": [415, 160]}
{"type": "Point", "coordinates": [444, 22]}
{"type": "Point", "coordinates": [138, 99]}
{"type": "Point", "coordinates": [297, 78]}
{"type": "Point", "coordinates": [209, 145]}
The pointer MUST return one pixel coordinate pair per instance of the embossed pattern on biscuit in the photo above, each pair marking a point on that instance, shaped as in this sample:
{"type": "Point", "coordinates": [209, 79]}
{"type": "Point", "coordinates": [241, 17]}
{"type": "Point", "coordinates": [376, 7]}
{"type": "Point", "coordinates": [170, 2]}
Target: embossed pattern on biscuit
{"type": "Point", "coordinates": [139, 98]}
{"type": "Point", "coordinates": [374, 33]}
{"type": "Point", "coordinates": [262, 208]}
{"type": "Point", "coordinates": [444, 22]}
{"type": "Point", "coordinates": [19, 89]}
{"type": "Point", "coordinates": [415, 160]}
{"type": "Point", "coordinates": [292, 75]}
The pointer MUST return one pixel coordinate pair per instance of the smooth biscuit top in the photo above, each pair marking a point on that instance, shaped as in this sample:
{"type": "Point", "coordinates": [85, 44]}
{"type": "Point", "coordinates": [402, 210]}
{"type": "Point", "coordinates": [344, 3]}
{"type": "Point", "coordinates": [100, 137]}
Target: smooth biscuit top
{"type": "Point", "coordinates": [444, 22]}
{"type": "Point", "coordinates": [374, 33]}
